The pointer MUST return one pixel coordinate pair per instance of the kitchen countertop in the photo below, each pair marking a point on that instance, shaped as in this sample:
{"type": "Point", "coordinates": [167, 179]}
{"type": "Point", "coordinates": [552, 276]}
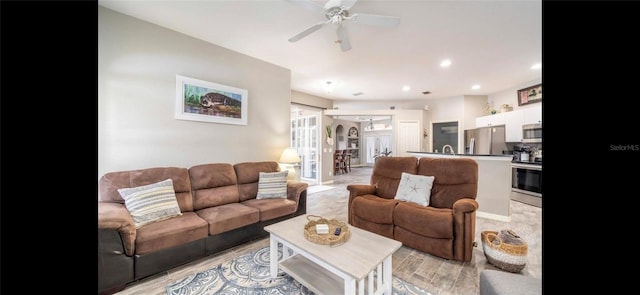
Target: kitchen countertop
{"type": "Point", "coordinates": [506, 157]}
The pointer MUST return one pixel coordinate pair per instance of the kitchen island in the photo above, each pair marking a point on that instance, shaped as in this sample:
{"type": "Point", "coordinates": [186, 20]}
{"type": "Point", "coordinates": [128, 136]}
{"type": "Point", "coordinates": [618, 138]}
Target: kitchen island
{"type": "Point", "coordinates": [494, 183]}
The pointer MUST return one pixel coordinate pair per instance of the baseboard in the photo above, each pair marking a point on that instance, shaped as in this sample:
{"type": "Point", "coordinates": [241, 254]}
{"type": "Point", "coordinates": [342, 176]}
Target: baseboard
{"type": "Point", "coordinates": [327, 182]}
{"type": "Point", "coordinates": [493, 216]}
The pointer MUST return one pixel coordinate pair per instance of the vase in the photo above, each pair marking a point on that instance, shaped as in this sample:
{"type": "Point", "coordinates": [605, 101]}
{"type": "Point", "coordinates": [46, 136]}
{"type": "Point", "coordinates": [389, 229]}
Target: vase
{"type": "Point", "coordinates": [329, 141]}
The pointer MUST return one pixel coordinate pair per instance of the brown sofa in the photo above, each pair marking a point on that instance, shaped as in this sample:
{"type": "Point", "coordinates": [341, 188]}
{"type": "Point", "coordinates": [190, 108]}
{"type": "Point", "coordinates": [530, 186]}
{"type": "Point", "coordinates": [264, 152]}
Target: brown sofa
{"type": "Point", "coordinates": [445, 228]}
{"type": "Point", "coordinates": [219, 210]}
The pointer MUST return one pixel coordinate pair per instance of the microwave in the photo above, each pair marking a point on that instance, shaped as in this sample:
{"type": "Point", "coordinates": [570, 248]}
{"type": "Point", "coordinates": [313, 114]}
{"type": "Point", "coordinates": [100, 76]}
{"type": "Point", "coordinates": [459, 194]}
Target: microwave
{"type": "Point", "coordinates": [532, 133]}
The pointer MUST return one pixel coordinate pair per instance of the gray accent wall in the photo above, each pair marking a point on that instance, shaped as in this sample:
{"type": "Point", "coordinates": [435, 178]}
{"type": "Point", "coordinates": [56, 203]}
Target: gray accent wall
{"type": "Point", "coordinates": [137, 67]}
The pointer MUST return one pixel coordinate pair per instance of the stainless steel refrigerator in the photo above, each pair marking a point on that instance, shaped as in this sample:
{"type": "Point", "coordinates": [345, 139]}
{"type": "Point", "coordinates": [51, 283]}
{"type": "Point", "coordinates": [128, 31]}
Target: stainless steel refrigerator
{"type": "Point", "coordinates": [485, 141]}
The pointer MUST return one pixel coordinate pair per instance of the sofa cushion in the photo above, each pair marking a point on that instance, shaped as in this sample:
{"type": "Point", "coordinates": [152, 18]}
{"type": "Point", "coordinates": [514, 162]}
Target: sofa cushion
{"type": "Point", "coordinates": [374, 209]}
{"type": "Point", "coordinates": [425, 221]}
{"type": "Point", "coordinates": [213, 185]}
{"type": "Point", "coordinates": [248, 174]}
{"type": "Point", "coordinates": [387, 172]}
{"type": "Point", "coordinates": [415, 188]}
{"type": "Point", "coordinates": [272, 185]}
{"type": "Point", "coordinates": [227, 217]}
{"type": "Point", "coordinates": [151, 203]}
{"type": "Point", "coordinates": [170, 233]}
{"type": "Point", "coordinates": [455, 178]}
{"type": "Point", "coordinates": [272, 208]}
{"type": "Point", "coordinates": [110, 182]}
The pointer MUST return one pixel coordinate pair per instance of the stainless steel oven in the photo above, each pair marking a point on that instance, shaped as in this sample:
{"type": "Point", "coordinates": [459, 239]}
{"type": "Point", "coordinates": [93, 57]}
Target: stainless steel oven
{"type": "Point", "coordinates": [526, 183]}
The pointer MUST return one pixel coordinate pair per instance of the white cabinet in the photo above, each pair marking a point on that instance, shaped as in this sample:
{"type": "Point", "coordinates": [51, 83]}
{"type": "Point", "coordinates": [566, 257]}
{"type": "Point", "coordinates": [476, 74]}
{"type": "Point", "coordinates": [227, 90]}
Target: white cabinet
{"type": "Point", "coordinates": [515, 119]}
{"type": "Point", "coordinates": [490, 120]}
{"type": "Point", "coordinates": [513, 126]}
{"type": "Point", "coordinates": [533, 115]}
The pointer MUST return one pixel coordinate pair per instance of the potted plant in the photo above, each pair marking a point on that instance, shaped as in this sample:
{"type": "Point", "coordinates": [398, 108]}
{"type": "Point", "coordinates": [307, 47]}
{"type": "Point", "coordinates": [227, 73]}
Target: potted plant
{"type": "Point", "coordinates": [329, 139]}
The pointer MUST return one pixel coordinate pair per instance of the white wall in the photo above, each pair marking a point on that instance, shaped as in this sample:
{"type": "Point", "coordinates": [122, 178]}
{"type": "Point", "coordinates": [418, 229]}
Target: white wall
{"type": "Point", "coordinates": [311, 100]}
{"type": "Point", "coordinates": [509, 96]}
{"type": "Point", "coordinates": [137, 67]}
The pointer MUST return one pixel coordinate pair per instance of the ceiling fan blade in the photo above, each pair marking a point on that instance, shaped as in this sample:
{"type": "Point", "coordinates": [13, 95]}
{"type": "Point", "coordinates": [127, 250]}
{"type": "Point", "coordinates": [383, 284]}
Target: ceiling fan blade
{"type": "Point", "coordinates": [376, 20]}
{"type": "Point", "coordinates": [308, 4]}
{"type": "Point", "coordinates": [308, 31]}
{"type": "Point", "coordinates": [343, 38]}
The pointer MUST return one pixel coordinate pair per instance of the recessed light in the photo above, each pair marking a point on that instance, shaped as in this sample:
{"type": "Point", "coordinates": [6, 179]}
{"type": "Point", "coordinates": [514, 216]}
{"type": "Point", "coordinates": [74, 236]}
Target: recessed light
{"type": "Point", "coordinates": [475, 87]}
{"type": "Point", "coordinates": [536, 66]}
{"type": "Point", "coordinates": [328, 87]}
{"type": "Point", "coordinates": [406, 88]}
{"type": "Point", "coordinates": [445, 63]}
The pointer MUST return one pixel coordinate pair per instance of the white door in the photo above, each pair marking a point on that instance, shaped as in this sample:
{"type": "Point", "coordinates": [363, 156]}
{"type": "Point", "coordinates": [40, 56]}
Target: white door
{"type": "Point", "coordinates": [384, 143]}
{"type": "Point", "coordinates": [371, 145]}
{"type": "Point", "coordinates": [305, 134]}
{"type": "Point", "coordinates": [408, 137]}
{"type": "Point", "coordinates": [375, 145]}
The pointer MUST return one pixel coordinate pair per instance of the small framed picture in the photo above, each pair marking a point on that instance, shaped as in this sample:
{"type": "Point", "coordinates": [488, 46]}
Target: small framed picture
{"type": "Point", "coordinates": [529, 95]}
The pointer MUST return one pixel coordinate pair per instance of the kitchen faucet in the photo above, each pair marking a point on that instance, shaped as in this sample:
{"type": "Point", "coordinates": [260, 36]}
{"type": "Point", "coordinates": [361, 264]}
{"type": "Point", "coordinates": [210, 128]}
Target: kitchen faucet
{"type": "Point", "coordinates": [444, 149]}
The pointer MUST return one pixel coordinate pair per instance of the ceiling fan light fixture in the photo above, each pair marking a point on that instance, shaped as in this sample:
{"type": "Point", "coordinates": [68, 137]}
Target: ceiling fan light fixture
{"type": "Point", "coordinates": [336, 12]}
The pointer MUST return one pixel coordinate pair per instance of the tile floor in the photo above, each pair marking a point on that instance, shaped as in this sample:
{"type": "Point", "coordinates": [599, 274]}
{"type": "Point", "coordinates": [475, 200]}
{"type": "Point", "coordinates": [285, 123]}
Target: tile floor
{"type": "Point", "coordinates": [436, 275]}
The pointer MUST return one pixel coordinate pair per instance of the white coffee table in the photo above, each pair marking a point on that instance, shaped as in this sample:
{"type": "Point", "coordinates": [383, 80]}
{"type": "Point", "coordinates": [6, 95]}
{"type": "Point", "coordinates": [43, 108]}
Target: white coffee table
{"type": "Point", "coordinates": [327, 269]}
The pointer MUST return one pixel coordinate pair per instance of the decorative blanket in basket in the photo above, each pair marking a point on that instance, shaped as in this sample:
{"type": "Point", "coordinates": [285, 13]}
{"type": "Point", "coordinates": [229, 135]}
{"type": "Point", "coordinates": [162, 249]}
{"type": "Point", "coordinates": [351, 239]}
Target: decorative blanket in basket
{"type": "Point", "coordinates": [506, 250]}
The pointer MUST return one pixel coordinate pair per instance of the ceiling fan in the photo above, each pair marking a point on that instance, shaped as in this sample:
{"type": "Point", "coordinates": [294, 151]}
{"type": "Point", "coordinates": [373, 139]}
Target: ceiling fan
{"type": "Point", "coordinates": [336, 11]}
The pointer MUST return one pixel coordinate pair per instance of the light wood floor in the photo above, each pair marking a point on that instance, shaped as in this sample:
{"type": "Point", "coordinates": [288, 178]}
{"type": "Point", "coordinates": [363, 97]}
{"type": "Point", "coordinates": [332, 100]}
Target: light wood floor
{"type": "Point", "coordinates": [436, 275]}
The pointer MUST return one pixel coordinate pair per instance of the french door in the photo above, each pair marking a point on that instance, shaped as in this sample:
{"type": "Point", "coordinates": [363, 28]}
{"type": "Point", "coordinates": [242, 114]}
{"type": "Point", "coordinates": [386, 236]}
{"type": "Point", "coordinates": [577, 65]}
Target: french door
{"type": "Point", "coordinates": [305, 138]}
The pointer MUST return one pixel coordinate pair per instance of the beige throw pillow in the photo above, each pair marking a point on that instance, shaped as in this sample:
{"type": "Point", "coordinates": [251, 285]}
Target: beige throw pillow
{"type": "Point", "coordinates": [415, 188]}
{"type": "Point", "coordinates": [272, 185]}
{"type": "Point", "coordinates": [151, 203]}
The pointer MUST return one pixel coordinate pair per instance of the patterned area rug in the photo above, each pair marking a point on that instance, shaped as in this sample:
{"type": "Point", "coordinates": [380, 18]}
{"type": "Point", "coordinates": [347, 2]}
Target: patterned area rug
{"type": "Point", "coordinates": [249, 274]}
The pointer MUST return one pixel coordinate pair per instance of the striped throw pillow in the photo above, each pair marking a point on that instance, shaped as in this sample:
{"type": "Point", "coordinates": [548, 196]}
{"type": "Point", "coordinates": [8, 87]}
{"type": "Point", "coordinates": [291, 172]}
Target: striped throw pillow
{"type": "Point", "coordinates": [272, 185]}
{"type": "Point", "coordinates": [151, 203]}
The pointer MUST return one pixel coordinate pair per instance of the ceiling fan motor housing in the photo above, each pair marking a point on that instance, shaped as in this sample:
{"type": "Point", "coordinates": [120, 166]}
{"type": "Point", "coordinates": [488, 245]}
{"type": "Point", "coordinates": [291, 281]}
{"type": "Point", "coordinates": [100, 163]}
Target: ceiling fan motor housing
{"type": "Point", "coordinates": [336, 14]}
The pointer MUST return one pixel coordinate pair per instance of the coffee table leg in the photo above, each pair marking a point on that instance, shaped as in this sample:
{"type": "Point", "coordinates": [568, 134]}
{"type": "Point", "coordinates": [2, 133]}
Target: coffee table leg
{"type": "Point", "coordinates": [386, 275]}
{"type": "Point", "coordinates": [273, 257]}
{"type": "Point", "coordinates": [349, 286]}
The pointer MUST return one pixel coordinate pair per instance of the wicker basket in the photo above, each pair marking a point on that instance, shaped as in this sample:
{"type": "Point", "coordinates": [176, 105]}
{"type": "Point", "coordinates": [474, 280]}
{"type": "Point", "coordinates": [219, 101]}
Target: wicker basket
{"type": "Point", "coordinates": [509, 257]}
{"type": "Point", "coordinates": [326, 239]}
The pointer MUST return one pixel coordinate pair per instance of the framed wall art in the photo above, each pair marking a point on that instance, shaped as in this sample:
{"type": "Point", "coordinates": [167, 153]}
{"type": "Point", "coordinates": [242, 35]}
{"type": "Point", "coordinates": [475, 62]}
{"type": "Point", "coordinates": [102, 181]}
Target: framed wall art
{"type": "Point", "coordinates": [529, 95]}
{"type": "Point", "coordinates": [199, 100]}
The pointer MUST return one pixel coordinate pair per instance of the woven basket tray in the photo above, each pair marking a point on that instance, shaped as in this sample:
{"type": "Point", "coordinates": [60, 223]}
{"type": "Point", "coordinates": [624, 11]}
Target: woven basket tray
{"type": "Point", "coordinates": [509, 257]}
{"type": "Point", "coordinates": [326, 239]}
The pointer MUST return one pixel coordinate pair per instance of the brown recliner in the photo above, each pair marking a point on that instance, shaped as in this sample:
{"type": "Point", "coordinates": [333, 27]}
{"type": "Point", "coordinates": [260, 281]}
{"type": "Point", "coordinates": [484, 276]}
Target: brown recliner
{"type": "Point", "coordinates": [445, 228]}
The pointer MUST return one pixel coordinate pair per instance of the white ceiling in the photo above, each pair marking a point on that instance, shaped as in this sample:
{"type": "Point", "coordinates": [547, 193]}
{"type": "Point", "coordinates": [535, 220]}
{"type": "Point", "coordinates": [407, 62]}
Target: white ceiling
{"type": "Point", "coordinates": [490, 43]}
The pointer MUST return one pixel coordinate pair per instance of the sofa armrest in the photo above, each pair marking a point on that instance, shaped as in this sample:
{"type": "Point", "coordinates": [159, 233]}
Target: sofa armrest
{"type": "Point", "coordinates": [358, 190]}
{"type": "Point", "coordinates": [464, 221]}
{"type": "Point", "coordinates": [462, 206]}
{"type": "Point", "coordinates": [297, 191]}
{"type": "Point", "coordinates": [116, 216]}
{"type": "Point", "coordinates": [294, 189]}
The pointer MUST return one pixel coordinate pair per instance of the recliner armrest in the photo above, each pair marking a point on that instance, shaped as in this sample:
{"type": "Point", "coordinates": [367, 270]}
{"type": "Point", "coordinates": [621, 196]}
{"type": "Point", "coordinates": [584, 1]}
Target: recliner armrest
{"type": "Point", "coordinates": [358, 190]}
{"type": "Point", "coordinates": [116, 216]}
{"type": "Point", "coordinates": [465, 206]}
